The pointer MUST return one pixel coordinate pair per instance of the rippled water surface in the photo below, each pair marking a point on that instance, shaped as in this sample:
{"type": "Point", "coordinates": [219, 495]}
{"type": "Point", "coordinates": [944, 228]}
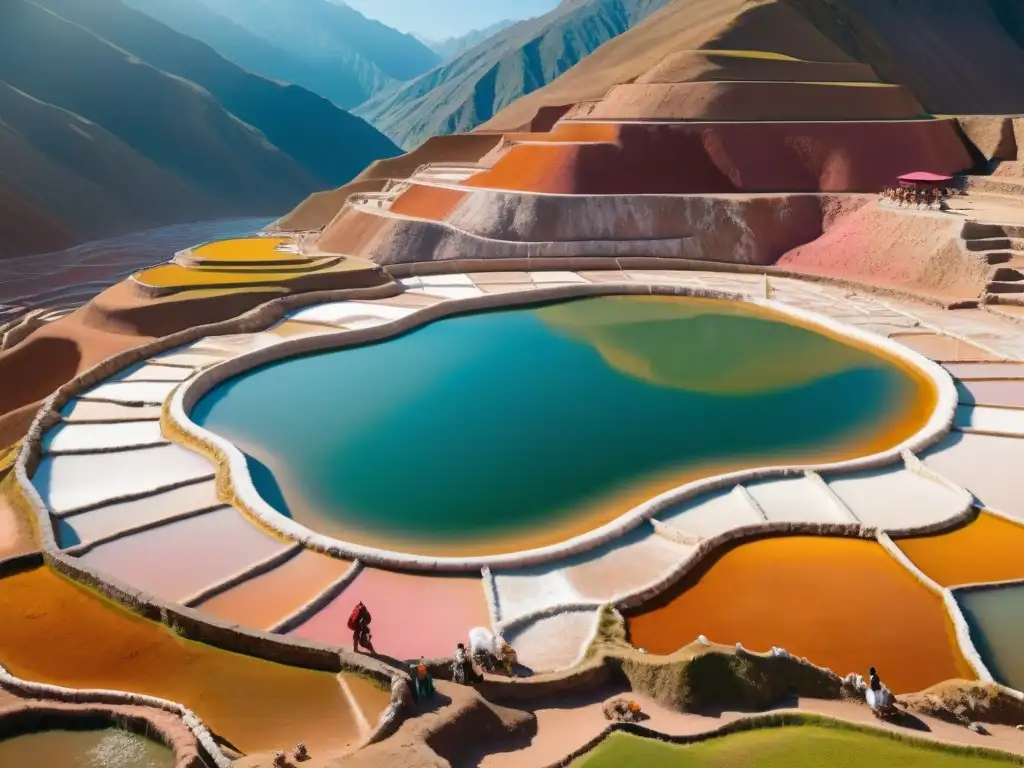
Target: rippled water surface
{"type": "Point", "coordinates": [110, 748]}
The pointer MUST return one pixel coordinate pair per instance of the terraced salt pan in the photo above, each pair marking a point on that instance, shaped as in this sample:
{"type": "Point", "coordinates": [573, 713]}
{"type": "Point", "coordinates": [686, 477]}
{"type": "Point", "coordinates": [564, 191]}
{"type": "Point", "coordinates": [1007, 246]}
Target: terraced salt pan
{"type": "Point", "coordinates": [499, 278]}
{"type": "Point", "coordinates": [632, 562]}
{"type": "Point", "coordinates": [88, 411]}
{"type": "Point", "coordinates": [66, 438]}
{"type": "Point", "coordinates": [1008, 421]}
{"type": "Point", "coordinates": [507, 287]}
{"type": "Point", "coordinates": [995, 393]}
{"type": "Point", "coordinates": [942, 556]}
{"type": "Point", "coordinates": [264, 601]}
{"type": "Point", "coordinates": [542, 278]}
{"type": "Point", "coordinates": [67, 483]}
{"type": "Point", "coordinates": [986, 370]}
{"type": "Point", "coordinates": [113, 518]}
{"type": "Point", "coordinates": [131, 391]}
{"type": "Point", "coordinates": [796, 499]}
{"type": "Point", "coordinates": [190, 357]}
{"type": "Point", "coordinates": [988, 466]}
{"type": "Point", "coordinates": [345, 312]}
{"type": "Point", "coordinates": [451, 292]}
{"type": "Point", "coordinates": [711, 514]}
{"type": "Point", "coordinates": [939, 346]}
{"type": "Point", "coordinates": [455, 278]}
{"type": "Point", "coordinates": [179, 559]}
{"type": "Point", "coordinates": [895, 498]}
{"type": "Point", "coordinates": [555, 642]}
{"type": "Point", "coordinates": [522, 592]}
{"type": "Point", "coordinates": [147, 372]}
{"type": "Point", "coordinates": [657, 276]}
{"type": "Point", "coordinates": [414, 615]}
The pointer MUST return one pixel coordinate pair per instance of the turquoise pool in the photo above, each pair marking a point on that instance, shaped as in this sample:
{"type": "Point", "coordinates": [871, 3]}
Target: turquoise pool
{"type": "Point", "coordinates": [489, 432]}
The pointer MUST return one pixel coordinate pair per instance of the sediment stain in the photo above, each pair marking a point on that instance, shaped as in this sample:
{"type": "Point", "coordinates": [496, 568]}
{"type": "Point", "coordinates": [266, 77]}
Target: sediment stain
{"type": "Point", "coordinates": [57, 632]}
{"type": "Point", "coordinates": [844, 604]}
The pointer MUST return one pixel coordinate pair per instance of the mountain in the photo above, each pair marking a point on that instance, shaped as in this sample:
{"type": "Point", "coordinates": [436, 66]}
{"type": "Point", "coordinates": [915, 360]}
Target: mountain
{"type": "Point", "coordinates": [113, 122]}
{"type": "Point", "coordinates": [977, 72]}
{"type": "Point", "coordinates": [451, 47]}
{"type": "Point", "coordinates": [194, 19]}
{"type": "Point", "coordinates": [334, 36]}
{"type": "Point", "coordinates": [467, 91]}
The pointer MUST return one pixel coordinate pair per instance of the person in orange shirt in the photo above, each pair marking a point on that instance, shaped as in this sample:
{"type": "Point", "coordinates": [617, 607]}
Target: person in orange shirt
{"type": "Point", "coordinates": [422, 682]}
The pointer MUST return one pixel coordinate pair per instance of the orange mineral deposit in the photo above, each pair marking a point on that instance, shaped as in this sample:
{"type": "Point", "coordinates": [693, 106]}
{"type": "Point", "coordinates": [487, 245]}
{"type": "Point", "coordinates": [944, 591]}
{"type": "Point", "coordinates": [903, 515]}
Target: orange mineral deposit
{"type": "Point", "coordinates": [56, 632]}
{"type": "Point", "coordinates": [844, 604]}
{"type": "Point", "coordinates": [986, 549]}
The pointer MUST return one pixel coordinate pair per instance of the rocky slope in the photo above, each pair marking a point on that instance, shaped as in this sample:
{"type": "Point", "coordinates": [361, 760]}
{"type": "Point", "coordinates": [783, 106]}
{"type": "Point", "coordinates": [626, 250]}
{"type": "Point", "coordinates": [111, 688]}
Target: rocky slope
{"type": "Point", "coordinates": [113, 122]}
{"type": "Point", "coordinates": [451, 47]}
{"type": "Point", "coordinates": [955, 58]}
{"type": "Point", "coordinates": [236, 44]}
{"type": "Point", "coordinates": [467, 91]}
{"type": "Point", "coordinates": [335, 37]}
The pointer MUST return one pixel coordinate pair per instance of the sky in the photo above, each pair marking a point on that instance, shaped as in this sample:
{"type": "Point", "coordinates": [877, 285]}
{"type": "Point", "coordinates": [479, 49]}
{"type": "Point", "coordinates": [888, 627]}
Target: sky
{"type": "Point", "coordinates": [441, 19]}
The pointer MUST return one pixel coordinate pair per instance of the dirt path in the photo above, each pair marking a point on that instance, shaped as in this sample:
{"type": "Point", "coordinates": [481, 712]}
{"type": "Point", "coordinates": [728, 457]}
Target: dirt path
{"type": "Point", "coordinates": [564, 726]}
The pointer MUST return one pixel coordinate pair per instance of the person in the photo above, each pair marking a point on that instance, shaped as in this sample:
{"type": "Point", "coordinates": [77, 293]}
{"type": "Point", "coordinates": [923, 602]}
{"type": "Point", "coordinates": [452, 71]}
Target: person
{"type": "Point", "coordinates": [508, 658]}
{"type": "Point", "coordinates": [359, 622]}
{"type": "Point", "coordinates": [462, 667]}
{"type": "Point", "coordinates": [876, 683]}
{"type": "Point", "coordinates": [422, 682]}
{"type": "Point", "coordinates": [483, 648]}
{"type": "Point", "coordinates": [459, 665]}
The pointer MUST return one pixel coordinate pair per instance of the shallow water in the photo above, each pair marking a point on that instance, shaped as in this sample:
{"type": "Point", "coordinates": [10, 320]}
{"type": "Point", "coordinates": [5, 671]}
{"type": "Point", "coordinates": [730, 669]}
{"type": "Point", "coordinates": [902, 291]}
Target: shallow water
{"type": "Point", "coordinates": [815, 597]}
{"type": "Point", "coordinates": [489, 432]}
{"type": "Point", "coordinates": [57, 632]}
{"type": "Point", "coordinates": [956, 557]}
{"type": "Point", "coordinates": [109, 748]}
{"type": "Point", "coordinates": [996, 619]}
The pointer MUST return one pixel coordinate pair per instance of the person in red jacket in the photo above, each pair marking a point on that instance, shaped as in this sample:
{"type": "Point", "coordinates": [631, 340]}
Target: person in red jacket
{"type": "Point", "coordinates": [359, 623]}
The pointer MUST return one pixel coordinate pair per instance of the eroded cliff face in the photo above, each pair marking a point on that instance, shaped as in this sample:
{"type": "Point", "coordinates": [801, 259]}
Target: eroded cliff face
{"type": "Point", "coordinates": [503, 225]}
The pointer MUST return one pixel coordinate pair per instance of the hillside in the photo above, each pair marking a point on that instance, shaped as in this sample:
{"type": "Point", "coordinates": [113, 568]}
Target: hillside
{"type": "Point", "coordinates": [469, 90]}
{"type": "Point", "coordinates": [451, 47]}
{"type": "Point", "coordinates": [960, 58]}
{"type": "Point", "coordinates": [236, 44]}
{"type": "Point", "coordinates": [101, 141]}
{"type": "Point", "coordinates": [333, 36]}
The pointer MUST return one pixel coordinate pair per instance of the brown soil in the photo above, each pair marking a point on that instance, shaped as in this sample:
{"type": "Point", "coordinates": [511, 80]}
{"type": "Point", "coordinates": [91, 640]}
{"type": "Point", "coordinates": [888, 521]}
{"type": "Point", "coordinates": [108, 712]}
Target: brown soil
{"type": "Point", "coordinates": [698, 66]}
{"type": "Point", "coordinates": [318, 209]}
{"type": "Point", "coordinates": [426, 202]}
{"type": "Point", "coordinates": [443, 732]}
{"type": "Point", "coordinates": [352, 232]}
{"type": "Point", "coordinates": [991, 135]}
{"type": "Point", "coordinates": [963, 701]}
{"type": "Point", "coordinates": [755, 101]}
{"type": "Point", "coordinates": [894, 248]}
{"type": "Point", "coordinates": [733, 157]}
{"type": "Point", "coordinates": [28, 229]}
{"type": "Point", "coordinates": [685, 25]}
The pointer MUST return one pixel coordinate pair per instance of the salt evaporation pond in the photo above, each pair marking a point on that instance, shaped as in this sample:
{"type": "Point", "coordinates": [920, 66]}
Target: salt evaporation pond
{"type": "Point", "coordinates": [996, 618]}
{"type": "Point", "coordinates": [495, 431]}
{"type": "Point", "coordinates": [107, 748]}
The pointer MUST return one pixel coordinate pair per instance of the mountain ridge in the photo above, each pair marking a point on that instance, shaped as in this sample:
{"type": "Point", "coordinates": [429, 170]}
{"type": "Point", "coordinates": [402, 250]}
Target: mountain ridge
{"type": "Point", "coordinates": [74, 154]}
{"type": "Point", "coordinates": [461, 94]}
{"type": "Point", "coordinates": [336, 36]}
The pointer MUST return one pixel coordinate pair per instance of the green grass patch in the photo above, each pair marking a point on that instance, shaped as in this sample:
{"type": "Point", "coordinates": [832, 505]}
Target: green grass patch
{"type": "Point", "coordinates": [790, 746]}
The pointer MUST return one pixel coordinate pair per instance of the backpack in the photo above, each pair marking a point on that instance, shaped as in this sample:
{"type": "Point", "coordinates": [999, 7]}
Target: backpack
{"type": "Point", "coordinates": [353, 618]}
